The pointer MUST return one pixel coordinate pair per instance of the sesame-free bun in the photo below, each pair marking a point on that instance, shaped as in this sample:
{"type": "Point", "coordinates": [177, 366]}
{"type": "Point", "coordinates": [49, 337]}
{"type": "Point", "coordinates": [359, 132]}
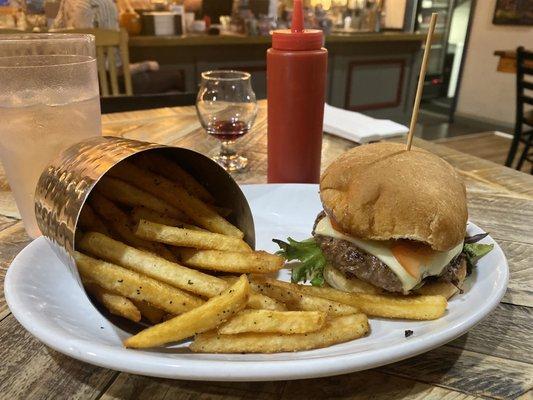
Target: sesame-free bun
{"type": "Point", "coordinates": [380, 191]}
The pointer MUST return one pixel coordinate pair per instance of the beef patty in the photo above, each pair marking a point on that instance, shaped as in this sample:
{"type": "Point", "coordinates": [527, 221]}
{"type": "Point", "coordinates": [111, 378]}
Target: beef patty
{"type": "Point", "coordinates": [355, 262]}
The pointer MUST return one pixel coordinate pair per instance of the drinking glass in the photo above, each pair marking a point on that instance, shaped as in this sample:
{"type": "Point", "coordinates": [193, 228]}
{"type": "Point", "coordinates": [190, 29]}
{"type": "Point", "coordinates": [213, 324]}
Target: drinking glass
{"type": "Point", "coordinates": [226, 107]}
{"type": "Point", "coordinates": [49, 100]}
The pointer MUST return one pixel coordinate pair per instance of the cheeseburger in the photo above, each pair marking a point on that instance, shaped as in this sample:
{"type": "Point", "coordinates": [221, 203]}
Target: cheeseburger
{"type": "Point", "coordinates": [393, 221]}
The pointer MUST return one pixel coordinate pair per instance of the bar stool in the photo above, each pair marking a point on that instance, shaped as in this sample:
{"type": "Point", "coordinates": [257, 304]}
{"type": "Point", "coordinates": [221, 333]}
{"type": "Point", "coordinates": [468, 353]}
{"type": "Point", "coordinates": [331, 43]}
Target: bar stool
{"type": "Point", "coordinates": [524, 69]}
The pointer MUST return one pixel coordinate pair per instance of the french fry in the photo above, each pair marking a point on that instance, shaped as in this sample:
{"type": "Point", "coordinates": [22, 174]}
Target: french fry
{"type": "Point", "coordinates": [114, 303]}
{"type": "Point", "coordinates": [189, 238]}
{"type": "Point", "coordinates": [387, 306]}
{"type": "Point", "coordinates": [89, 221]}
{"type": "Point", "coordinates": [295, 299]}
{"type": "Point", "coordinates": [151, 265]}
{"type": "Point", "coordinates": [138, 213]}
{"type": "Point", "coordinates": [349, 285]}
{"type": "Point", "coordinates": [172, 171]}
{"type": "Point", "coordinates": [337, 330]}
{"type": "Point", "coordinates": [223, 211]}
{"type": "Point", "coordinates": [151, 313]}
{"type": "Point", "coordinates": [437, 288]}
{"type": "Point", "coordinates": [168, 316]}
{"type": "Point", "coordinates": [159, 164]}
{"type": "Point", "coordinates": [267, 321]}
{"type": "Point", "coordinates": [259, 301]}
{"type": "Point", "coordinates": [175, 195]}
{"type": "Point", "coordinates": [122, 226]}
{"type": "Point", "coordinates": [208, 316]}
{"type": "Point", "coordinates": [124, 193]}
{"type": "Point", "coordinates": [109, 212]}
{"type": "Point", "coordinates": [135, 286]}
{"type": "Point", "coordinates": [230, 261]}
{"type": "Point", "coordinates": [174, 274]}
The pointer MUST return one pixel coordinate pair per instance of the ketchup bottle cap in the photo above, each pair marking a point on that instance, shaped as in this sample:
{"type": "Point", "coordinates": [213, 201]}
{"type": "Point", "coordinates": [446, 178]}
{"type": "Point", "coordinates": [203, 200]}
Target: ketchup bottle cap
{"type": "Point", "coordinates": [297, 38]}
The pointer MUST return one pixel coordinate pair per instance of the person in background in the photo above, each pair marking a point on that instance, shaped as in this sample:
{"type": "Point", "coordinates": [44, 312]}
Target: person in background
{"type": "Point", "coordinates": [192, 5]}
{"type": "Point", "coordinates": [17, 20]}
{"type": "Point", "coordinates": [103, 14]}
{"type": "Point", "coordinates": [83, 14]}
{"type": "Point", "coordinates": [138, 4]}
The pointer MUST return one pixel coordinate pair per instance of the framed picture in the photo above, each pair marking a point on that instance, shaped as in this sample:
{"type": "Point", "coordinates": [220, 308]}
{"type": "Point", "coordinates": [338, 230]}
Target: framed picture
{"type": "Point", "coordinates": [513, 12]}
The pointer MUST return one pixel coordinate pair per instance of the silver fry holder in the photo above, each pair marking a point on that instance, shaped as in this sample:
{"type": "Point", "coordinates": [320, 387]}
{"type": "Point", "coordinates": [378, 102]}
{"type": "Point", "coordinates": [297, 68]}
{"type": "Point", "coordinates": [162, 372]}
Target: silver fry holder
{"type": "Point", "coordinates": [66, 183]}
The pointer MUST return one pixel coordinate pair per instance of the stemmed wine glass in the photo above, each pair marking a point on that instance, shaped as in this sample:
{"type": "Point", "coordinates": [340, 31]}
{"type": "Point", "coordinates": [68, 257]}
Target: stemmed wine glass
{"type": "Point", "coordinates": [226, 107]}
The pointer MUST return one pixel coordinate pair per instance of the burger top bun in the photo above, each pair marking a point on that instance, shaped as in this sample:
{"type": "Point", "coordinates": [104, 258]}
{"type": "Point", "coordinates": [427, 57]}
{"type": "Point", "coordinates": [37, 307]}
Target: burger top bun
{"type": "Point", "coordinates": [381, 191]}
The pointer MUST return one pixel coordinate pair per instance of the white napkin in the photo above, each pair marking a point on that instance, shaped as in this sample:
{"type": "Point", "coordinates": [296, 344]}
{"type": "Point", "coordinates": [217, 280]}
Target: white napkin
{"type": "Point", "coordinates": [359, 128]}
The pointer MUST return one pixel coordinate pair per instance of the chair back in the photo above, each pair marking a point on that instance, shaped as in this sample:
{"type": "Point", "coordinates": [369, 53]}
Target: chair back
{"type": "Point", "coordinates": [109, 43]}
{"type": "Point", "coordinates": [524, 81]}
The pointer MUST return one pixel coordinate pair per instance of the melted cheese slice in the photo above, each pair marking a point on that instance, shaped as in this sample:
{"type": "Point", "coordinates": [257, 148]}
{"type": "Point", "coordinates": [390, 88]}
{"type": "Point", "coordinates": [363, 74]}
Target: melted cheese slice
{"type": "Point", "coordinates": [430, 266]}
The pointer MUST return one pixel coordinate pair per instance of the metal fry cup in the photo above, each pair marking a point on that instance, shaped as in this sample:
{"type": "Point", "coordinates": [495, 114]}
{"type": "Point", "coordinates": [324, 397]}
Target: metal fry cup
{"type": "Point", "coordinates": [66, 183]}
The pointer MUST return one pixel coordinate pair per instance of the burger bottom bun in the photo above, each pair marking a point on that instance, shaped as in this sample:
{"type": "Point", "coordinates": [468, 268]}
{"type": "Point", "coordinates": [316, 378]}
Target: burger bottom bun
{"type": "Point", "coordinates": [445, 289]}
{"type": "Point", "coordinates": [338, 280]}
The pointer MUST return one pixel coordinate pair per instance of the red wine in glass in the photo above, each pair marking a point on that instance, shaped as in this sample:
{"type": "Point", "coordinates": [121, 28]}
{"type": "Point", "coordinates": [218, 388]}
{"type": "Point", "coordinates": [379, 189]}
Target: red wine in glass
{"type": "Point", "coordinates": [226, 107]}
{"type": "Point", "coordinates": [228, 131]}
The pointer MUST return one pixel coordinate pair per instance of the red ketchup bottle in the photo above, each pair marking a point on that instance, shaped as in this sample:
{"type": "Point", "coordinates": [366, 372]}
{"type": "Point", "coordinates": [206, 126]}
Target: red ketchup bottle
{"type": "Point", "coordinates": [296, 85]}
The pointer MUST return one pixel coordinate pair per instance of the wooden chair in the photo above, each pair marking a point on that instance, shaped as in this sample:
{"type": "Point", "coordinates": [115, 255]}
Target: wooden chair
{"type": "Point", "coordinates": [107, 43]}
{"type": "Point", "coordinates": [524, 95]}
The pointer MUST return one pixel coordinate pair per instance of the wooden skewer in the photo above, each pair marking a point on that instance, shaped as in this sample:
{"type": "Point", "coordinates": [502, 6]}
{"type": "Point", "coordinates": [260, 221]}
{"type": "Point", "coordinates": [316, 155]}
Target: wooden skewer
{"type": "Point", "coordinates": [421, 78]}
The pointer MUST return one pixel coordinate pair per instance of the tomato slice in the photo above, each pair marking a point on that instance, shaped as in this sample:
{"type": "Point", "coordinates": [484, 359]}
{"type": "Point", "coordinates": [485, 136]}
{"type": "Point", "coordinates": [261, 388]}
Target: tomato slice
{"type": "Point", "coordinates": [411, 255]}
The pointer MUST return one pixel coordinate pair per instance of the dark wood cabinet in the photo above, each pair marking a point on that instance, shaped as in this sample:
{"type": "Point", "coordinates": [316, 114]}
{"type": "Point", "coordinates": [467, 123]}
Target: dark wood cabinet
{"type": "Point", "coordinates": [371, 73]}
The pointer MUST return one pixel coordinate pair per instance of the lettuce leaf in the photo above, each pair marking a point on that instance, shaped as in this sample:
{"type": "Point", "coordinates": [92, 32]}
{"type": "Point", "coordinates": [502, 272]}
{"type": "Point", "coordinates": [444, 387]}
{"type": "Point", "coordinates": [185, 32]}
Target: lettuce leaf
{"type": "Point", "coordinates": [312, 260]}
{"type": "Point", "coordinates": [473, 252]}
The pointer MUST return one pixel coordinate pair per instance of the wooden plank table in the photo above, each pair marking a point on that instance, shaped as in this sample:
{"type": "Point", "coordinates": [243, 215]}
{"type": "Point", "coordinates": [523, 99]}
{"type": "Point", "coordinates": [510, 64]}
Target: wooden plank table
{"type": "Point", "coordinates": [494, 360]}
{"type": "Point", "coordinates": [492, 146]}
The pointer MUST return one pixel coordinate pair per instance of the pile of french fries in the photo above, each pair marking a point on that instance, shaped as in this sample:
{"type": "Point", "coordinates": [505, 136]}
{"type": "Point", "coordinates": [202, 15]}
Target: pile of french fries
{"type": "Point", "coordinates": [153, 246]}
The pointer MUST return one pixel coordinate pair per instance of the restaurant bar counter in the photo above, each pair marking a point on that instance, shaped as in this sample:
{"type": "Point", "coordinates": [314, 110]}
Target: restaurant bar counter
{"type": "Point", "coordinates": [374, 73]}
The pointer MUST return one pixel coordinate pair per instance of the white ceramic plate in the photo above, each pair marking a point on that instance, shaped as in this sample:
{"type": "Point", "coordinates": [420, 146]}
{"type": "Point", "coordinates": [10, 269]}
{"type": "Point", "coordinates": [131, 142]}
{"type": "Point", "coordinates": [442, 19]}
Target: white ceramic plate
{"type": "Point", "coordinates": [46, 299]}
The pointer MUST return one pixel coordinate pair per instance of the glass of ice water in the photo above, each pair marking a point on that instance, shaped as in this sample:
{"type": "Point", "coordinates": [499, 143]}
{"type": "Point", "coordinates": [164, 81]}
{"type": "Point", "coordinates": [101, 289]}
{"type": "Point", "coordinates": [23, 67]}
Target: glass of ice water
{"type": "Point", "coordinates": [49, 100]}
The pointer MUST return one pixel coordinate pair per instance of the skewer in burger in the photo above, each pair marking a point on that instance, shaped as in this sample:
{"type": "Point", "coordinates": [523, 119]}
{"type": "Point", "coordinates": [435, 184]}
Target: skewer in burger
{"type": "Point", "coordinates": [393, 221]}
